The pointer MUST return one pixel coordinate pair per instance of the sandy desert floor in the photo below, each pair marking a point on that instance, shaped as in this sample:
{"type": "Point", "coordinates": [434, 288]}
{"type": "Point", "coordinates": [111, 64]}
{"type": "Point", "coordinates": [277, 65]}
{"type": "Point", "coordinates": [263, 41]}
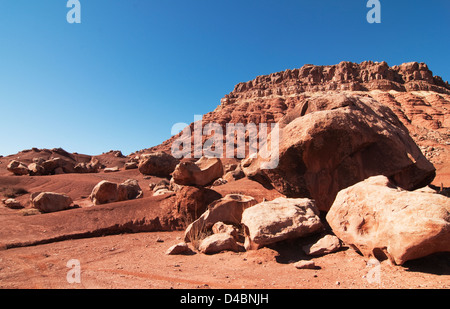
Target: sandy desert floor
{"type": "Point", "coordinates": [138, 261]}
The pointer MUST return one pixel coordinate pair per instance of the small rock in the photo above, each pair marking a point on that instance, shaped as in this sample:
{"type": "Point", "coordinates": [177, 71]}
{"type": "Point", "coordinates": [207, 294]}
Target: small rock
{"type": "Point", "coordinates": [325, 245]}
{"type": "Point", "coordinates": [131, 165]}
{"type": "Point", "coordinates": [217, 243]}
{"type": "Point", "coordinates": [305, 265]}
{"type": "Point", "coordinates": [180, 248]}
{"type": "Point", "coordinates": [111, 169]}
{"type": "Point", "coordinates": [220, 227]}
{"type": "Point", "coordinates": [12, 203]}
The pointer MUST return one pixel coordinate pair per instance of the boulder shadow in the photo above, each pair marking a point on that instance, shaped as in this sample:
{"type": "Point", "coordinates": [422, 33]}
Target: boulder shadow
{"type": "Point", "coordinates": [291, 251]}
{"type": "Point", "coordinates": [437, 264]}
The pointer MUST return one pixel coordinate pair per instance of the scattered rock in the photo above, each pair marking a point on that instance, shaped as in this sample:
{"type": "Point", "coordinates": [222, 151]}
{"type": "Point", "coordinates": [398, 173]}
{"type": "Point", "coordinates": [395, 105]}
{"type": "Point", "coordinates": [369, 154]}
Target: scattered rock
{"type": "Point", "coordinates": [325, 245]}
{"type": "Point", "coordinates": [220, 227]}
{"type": "Point", "coordinates": [84, 168]}
{"type": "Point", "coordinates": [131, 165]}
{"type": "Point", "coordinates": [12, 203]}
{"type": "Point", "coordinates": [51, 202]}
{"type": "Point", "coordinates": [162, 187]}
{"type": "Point", "coordinates": [35, 169]}
{"type": "Point", "coordinates": [17, 168]}
{"type": "Point", "coordinates": [111, 169]}
{"type": "Point", "coordinates": [383, 221]}
{"type": "Point", "coordinates": [217, 243]}
{"type": "Point", "coordinates": [219, 182]}
{"type": "Point", "coordinates": [283, 218]}
{"type": "Point", "coordinates": [228, 209]}
{"type": "Point", "coordinates": [180, 248]}
{"type": "Point", "coordinates": [305, 265]}
{"type": "Point", "coordinates": [129, 190]}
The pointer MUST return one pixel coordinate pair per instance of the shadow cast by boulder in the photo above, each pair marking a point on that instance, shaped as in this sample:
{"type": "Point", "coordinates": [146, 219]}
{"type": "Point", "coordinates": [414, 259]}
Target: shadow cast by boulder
{"type": "Point", "coordinates": [437, 264]}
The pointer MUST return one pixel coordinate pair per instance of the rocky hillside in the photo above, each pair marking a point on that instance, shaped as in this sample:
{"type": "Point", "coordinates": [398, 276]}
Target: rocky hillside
{"type": "Point", "coordinates": [419, 99]}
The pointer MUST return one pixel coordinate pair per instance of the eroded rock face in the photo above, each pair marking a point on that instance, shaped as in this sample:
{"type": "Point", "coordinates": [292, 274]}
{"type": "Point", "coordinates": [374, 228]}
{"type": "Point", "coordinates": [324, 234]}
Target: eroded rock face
{"type": "Point", "coordinates": [200, 173]}
{"type": "Point", "coordinates": [51, 202]}
{"type": "Point", "coordinates": [283, 218]}
{"type": "Point", "coordinates": [381, 220]}
{"type": "Point", "coordinates": [418, 98]}
{"type": "Point", "coordinates": [337, 140]}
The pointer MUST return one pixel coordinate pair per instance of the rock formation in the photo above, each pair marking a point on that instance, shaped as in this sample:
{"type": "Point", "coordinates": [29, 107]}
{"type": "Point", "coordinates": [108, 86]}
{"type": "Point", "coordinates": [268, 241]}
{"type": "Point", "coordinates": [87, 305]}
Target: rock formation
{"type": "Point", "coordinates": [418, 98]}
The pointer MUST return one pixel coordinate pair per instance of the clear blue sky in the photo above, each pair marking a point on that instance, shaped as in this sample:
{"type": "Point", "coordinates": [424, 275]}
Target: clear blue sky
{"type": "Point", "coordinates": [133, 68]}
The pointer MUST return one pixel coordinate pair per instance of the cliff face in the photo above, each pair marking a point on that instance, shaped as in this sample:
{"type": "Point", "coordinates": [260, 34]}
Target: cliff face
{"type": "Point", "coordinates": [348, 76]}
{"type": "Point", "coordinates": [420, 100]}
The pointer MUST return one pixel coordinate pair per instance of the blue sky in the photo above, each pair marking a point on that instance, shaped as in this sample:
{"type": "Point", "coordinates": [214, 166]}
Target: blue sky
{"type": "Point", "coordinates": [133, 68]}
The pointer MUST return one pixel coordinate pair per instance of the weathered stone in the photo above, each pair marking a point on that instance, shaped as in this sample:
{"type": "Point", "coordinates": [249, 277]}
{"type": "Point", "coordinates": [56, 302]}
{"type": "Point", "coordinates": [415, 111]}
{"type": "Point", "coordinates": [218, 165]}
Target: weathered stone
{"type": "Point", "coordinates": [305, 265]}
{"type": "Point", "coordinates": [228, 209]}
{"type": "Point", "coordinates": [270, 222]}
{"type": "Point", "coordinates": [217, 243]}
{"type": "Point", "coordinates": [12, 203]}
{"type": "Point", "coordinates": [181, 248]}
{"type": "Point", "coordinates": [17, 168]}
{"type": "Point", "coordinates": [158, 164]}
{"type": "Point", "coordinates": [51, 202]}
{"type": "Point", "coordinates": [325, 245]}
{"type": "Point", "coordinates": [200, 173]}
{"type": "Point", "coordinates": [381, 220]}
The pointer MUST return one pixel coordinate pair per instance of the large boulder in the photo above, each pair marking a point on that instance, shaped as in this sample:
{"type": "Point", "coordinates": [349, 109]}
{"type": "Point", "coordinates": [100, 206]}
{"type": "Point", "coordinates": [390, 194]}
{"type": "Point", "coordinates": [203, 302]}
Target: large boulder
{"type": "Point", "coordinates": [332, 142]}
{"type": "Point", "coordinates": [228, 209]}
{"type": "Point", "coordinates": [105, 192]}
{"type": "Point", "coordinates": [17, 168]}
{"type": "Point", "coordinates": [109, 192]}
{"type": "Point", "coordinates": [200, 173]}
{"type": "Point", "coordinates": [381, 220]}
{"type": "Point", "coordinates": [158, 164]}
{"type": "Point", "coordinates": [51, 202]}
{"type": "Point", "coordinates": [283, 218]}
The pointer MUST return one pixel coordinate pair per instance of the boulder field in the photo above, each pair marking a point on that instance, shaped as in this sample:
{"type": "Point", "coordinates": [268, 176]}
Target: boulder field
{"type": "Point", "coordinates": [363, 154]}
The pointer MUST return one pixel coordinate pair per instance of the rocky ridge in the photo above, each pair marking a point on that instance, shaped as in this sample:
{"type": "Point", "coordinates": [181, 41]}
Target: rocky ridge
{"type": "Point", "coordinates": [419, 99]}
